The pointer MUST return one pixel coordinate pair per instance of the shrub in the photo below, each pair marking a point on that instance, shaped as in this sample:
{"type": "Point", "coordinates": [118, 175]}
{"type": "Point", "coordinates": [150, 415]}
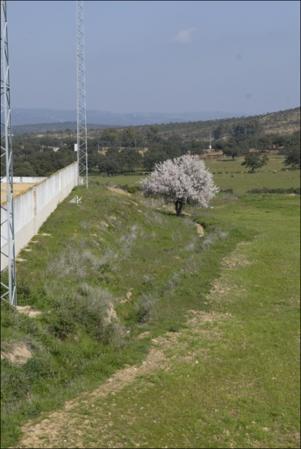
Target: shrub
{"type": "Point", "coordinates": [144, 308]}
{"type": "Point", "coordinates": [226, 191]}
{"type": "Point", "coordinates": [253, 161]}
{"type": "Point", "coordinates": [292, 158]}
{"type": "Point", "coordinates": [295, 190]}
{"type": "Point", "coordinates": [91, 308]}
{"type": "Point", "coordinates": [130, 189]}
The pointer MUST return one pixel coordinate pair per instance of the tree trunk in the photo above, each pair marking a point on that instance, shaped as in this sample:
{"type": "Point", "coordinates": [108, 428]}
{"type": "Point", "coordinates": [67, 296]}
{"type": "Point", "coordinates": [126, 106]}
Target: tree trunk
{"type": "Point", "coordinates": [178, 206]}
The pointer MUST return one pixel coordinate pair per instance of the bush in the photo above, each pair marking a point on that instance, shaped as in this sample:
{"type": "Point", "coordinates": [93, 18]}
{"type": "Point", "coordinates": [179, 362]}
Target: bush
{"type": "Point", "coordinates": [292, 158]}
{"type": "Point", "coordinates": [91, 308]}
{"type": "Point", "coordinates": [254, 161]}
{"type": "Point", "coordinates": [295, 190]}
{"type": "Point", "coordinates": [130, 189]}
{"type": "Point", "coordinates": [144, 308]}
{"type": "Point", "coordinates": [226, 190]}
{"type": "Point", "coordinates": [63, 325]}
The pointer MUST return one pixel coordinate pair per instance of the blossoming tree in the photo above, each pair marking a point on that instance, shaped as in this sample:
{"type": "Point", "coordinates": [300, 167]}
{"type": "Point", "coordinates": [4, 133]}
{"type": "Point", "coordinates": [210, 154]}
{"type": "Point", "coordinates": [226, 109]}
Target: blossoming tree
{"type": "Point", "coordinates": [181, 180]}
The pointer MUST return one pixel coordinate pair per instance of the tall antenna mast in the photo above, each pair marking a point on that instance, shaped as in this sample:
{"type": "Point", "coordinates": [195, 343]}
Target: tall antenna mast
{"type": "Point", "coordinates": [8, 258]}
{"type": "Point", "coordinates": [82, 144]}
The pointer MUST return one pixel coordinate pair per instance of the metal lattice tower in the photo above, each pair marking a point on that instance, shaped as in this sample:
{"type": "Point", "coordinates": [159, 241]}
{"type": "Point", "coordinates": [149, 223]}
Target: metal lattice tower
{"type": "Point", "coordinates": [8, 288]}
{"type": "Point", "coordinates": [82, 144]}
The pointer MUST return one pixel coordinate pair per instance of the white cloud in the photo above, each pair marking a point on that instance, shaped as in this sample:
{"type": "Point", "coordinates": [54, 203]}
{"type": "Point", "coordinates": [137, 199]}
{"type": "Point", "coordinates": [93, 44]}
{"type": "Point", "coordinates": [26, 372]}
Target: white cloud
{"type": "Point", "coordinates": [184, 36]}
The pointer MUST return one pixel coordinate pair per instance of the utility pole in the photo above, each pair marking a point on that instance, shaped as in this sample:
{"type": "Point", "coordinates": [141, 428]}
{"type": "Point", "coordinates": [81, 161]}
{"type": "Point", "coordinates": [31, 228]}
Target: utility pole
{"type": "Point", "coordinates": [82, 143]}
{"type": "Point", "coordinates": [8, 254]}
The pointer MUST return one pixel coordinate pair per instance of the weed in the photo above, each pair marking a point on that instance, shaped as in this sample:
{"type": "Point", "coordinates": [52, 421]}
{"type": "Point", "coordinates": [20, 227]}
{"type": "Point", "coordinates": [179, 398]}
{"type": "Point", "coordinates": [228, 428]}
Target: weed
{"type": "Point", "coordinates": [145, 308]}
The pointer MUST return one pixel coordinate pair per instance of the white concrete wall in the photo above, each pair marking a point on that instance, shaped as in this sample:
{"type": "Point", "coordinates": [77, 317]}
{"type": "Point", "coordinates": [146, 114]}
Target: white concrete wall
{"type": "Point", "coordinates": [33, 207]}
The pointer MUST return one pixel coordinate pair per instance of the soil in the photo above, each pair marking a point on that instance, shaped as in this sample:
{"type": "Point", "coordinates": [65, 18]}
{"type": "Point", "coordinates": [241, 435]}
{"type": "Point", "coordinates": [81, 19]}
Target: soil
{"type": "Point", "coordinates": [16, 353]}
{"type": "Point", "coordinates": [119, 191]}
{"type": "Point", "coordinates": [28, 311]}
{"type": "Point", "coordinates": [200, 230]}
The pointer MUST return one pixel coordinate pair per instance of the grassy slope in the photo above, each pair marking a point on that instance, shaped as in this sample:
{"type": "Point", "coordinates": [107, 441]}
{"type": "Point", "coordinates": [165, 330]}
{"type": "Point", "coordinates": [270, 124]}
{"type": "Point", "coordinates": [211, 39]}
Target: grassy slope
{"type": "Point", "coordinates": [112, 241]}
{"type": "Point", "coordinates": [241, 388]}
{"type": "Point", "coordinates": [259, 342]}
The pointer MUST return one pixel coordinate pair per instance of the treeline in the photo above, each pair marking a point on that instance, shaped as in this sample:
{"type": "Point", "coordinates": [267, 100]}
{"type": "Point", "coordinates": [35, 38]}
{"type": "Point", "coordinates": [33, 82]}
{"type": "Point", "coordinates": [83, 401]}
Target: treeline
{"type": "Point", "coordinates": [279, 123]}
{"type": "Point", "coordinates": [41, 156]}
{"type": "Point", "coordinates": [129, 159]}
{"type": "Point", "coordinates": [136, 149]}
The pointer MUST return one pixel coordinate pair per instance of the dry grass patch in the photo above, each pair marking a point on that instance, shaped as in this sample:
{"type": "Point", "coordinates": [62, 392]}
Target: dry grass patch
{"type": "Point", "coordinates": [28, 311]}
{"type": "Point", "coordinates": [119, 191]}
{"type": "Point", "coordinates": [143, 335]}
{"type": "Point", "coordinates": [200, 230]}
{"type": "Point", "coordinates": [237, 258]}
{"type": "Point", "coordinates": [128, 297]}
{"type": "Point", "coordinates": [221, 288]}
{"type": "Point", "coordinates": [16, 353]}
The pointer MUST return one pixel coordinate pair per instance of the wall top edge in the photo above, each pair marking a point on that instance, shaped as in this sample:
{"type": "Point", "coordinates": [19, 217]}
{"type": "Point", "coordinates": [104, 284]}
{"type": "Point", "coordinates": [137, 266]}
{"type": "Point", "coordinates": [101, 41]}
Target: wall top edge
{"type": "Point", "coordinates": [40, 181]}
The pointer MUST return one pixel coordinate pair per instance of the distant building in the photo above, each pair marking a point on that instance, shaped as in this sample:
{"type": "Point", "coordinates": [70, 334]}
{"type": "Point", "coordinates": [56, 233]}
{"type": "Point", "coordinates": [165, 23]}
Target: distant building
{"type": "Point", "coordinates": [43, 147]}
{"type": "Point", "coordinates": [271, 151]}
{"type": "Point", "coordinates": [142, 151]}
{"type": "Point", "coordinates": [103, 150]}
{"type": "Point", "coordinates": [210, 153]}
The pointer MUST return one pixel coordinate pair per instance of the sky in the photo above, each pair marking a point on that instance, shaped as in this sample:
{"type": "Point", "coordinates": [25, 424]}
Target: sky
{"type": "Point", "coordinates": [158, 56]}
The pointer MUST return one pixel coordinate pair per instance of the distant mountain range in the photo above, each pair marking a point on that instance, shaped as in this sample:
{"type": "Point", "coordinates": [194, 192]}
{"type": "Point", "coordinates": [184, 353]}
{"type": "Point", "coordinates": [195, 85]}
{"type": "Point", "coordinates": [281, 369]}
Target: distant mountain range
{"type": "Point", "coordinates": [22, 116]}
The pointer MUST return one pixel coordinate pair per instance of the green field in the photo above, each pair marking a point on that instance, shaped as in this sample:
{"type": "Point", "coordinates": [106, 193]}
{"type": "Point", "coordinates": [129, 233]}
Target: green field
{"type": "Point", "coordinates": [204, 348]}
{"type": "Point", "coordinates": [229, 174]}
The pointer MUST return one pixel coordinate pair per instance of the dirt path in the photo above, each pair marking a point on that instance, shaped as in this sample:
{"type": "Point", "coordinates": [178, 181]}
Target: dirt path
{"type": "Point", "coordinates": [119, 191]}
{"type": "Point", "coordinates": [51, 431]}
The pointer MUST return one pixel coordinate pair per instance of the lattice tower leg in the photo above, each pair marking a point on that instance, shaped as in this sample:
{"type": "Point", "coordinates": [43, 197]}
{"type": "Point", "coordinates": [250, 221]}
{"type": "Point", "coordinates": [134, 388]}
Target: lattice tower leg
{"type": "Point", "coordinates": [8, 253]}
